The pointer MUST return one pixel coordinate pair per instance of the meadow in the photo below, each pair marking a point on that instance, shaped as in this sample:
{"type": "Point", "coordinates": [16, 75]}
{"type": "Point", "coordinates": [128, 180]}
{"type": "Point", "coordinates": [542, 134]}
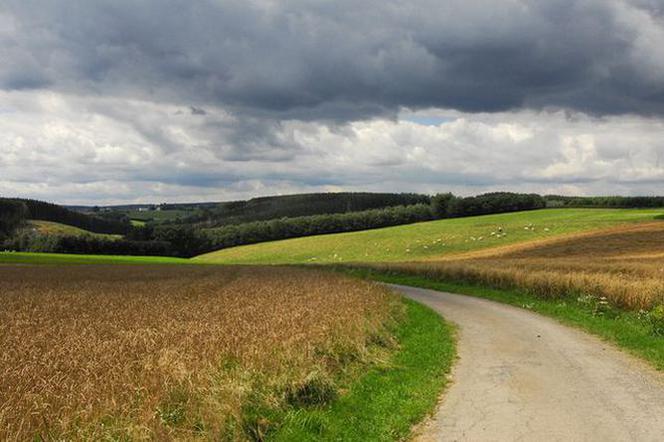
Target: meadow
{"type": "Point", "coordinates": [53, 228]}
{"type": "Point", "coordinates": [427, 240]}
{"type": "Point", "coordinates": [179, 352]}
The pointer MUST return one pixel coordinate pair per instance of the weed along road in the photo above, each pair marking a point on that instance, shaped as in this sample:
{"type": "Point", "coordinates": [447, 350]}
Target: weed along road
{"type": "Point", "coordinates": [522, 376]}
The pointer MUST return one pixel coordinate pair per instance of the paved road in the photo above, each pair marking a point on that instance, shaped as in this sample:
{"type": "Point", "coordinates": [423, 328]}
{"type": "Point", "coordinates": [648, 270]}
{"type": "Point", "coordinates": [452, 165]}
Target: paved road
{"type": "Point", "coordinates": [524, 377]}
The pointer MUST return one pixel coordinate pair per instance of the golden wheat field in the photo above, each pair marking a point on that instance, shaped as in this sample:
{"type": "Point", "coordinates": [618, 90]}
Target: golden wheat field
{"type": "Point", "coordinates": [624, 264]}
{"type": "Point", "coordinates": [173, 352]}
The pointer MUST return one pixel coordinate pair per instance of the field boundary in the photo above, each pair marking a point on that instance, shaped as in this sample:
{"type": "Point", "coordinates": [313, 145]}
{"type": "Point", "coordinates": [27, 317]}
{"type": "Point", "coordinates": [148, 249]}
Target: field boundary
{"type": "Point", "coordinates": [625, 329]}
{"type": "Point", "coordinates": [388, 402]}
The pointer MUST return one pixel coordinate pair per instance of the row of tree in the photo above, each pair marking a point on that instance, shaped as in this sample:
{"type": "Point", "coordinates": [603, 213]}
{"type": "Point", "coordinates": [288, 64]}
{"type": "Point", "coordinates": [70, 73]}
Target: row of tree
{"type": "Point", "coordinates": [629, 202]}
{"type": "Point", "coordinates": [446, 205]}
{"type": "Point", "coordinates": [85, 244]}
{"type": "Point", "coordinates": [260, 231]}
{"type": "Point", "coordinates": [292, 206]}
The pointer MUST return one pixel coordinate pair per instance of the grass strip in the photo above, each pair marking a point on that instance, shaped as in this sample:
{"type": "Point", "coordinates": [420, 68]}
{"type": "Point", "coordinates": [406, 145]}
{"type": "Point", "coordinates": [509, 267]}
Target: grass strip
{"type": "Point", "coordinates": [624, 328]}
{"type": "Point", "coordinates": [62, 258]}
{"type": "Point", "coordinates": [386, 402]}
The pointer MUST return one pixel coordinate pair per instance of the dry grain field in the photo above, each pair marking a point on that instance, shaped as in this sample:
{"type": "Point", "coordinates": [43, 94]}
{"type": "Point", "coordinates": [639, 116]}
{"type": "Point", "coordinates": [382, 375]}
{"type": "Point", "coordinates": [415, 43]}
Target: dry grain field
{"type": "Point", "coordinates": [161, 352]}
{"type": "Point", "coordinates": [625, 265]}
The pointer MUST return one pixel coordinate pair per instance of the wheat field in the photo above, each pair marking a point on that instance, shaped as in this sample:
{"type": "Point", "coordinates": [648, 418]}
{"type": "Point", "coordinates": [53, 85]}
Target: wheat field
{"type": "Point", "coordinates": [175, 352]}
{"type": "Point", "coordinates": [625, 265]}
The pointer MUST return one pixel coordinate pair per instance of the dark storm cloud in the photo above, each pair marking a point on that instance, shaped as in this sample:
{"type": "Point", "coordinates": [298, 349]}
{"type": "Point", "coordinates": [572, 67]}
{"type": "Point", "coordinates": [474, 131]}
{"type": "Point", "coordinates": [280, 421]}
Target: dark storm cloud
{"type": "Point", "coordinates": [343, 60]}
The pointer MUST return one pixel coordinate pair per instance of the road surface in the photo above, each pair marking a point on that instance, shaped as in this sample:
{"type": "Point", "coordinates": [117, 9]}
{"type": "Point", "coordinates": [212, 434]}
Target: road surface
{"type": "Point", "coordinates": [524, 377]}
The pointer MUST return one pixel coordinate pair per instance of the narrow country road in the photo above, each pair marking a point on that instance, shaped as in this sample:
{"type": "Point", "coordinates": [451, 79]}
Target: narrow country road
{"type": "Point", "coordinates": [524, 377]}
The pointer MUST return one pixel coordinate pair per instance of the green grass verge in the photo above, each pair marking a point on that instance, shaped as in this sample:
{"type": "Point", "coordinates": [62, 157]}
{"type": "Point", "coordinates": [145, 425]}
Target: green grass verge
{"type": "Point", "coordinates": [429, 239]}
{"type": "Point", "coordinates": [61, 258]}
{"type": "Point", "coordinates": [385, 403]}
{"type": "Point", "coordinates": [623, 328]}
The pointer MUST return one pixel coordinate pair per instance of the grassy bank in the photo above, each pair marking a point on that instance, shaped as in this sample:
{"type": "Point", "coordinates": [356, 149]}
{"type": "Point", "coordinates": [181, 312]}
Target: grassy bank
{"type": "Point", "coordinates": [63, 258]}
{"type": "Point", "coordinates": [387, 401]}
{"type": "Point", "coordinates": [428, 240]}
{"type": "Point", "coordinates": [626, 329]}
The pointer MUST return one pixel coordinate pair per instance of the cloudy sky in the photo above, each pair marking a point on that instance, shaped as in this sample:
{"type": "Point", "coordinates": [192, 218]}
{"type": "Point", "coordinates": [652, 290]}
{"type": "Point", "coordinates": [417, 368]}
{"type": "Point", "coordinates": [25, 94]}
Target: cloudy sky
{"type": "Point", "coordinates": [117, 101]}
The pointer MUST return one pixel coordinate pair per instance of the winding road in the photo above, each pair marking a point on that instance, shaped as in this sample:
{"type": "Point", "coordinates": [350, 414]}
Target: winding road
{"type": "Point", "coordinates": [524, 377]}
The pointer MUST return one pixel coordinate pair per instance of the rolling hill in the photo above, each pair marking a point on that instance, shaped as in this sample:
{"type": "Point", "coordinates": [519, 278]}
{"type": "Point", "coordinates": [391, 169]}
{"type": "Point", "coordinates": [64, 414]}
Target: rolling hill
{"type": "Point", "coordinates": [429, 240]}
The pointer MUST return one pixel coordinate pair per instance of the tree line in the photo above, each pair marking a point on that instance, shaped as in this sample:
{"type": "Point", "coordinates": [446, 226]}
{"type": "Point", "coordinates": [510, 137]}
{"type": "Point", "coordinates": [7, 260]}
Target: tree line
{"type": "Point", "coordinates": [85, 244]}
{"type": "Point", "coordinates": [292, 206]}
{"type": "Point", "coordinates": [627, 202]}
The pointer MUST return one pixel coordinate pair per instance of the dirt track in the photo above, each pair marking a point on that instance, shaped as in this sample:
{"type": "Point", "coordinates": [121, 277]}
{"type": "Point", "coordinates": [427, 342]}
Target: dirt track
{"type": "Point", "coordinates": [522, 377]}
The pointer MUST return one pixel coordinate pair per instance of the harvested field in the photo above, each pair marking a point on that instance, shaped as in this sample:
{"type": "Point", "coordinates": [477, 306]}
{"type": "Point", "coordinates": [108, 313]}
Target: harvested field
{"type": "Point", "coordinates": [162, 352]}
{"type": "Point", "coordinates": [625, 265]}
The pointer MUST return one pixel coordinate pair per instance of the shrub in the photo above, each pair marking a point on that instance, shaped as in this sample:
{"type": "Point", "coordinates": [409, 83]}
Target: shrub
{"type": "Point", "coordinates": [315, 390]}
{"type": "Point", "coordinates": [656, 319]}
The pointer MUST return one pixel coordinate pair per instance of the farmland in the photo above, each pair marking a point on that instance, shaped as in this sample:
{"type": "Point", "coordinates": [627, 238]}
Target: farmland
{"type": "Point", "coordinates": [429, 240]}
{"type": "Point", "coordinates": [623, 265]}
{"type": "Point", "coordinates": [178, 352]}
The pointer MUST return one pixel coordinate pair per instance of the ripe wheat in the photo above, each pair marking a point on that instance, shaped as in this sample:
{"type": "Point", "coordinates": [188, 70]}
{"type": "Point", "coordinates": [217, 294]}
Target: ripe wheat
{"type": "Point", "coordinates": [160, 352]}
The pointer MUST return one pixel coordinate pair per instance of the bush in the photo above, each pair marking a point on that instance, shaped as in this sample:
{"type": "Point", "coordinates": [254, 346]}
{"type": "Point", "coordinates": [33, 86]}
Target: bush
{"type": "Point", "coordinates": [316, 390]}
{"type": "Point", "coordinates": [656, 319]}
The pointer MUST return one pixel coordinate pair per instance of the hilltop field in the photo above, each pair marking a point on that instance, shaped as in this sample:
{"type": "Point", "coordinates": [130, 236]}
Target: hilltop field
{"type": "Point", "coordinates": [430, 240]}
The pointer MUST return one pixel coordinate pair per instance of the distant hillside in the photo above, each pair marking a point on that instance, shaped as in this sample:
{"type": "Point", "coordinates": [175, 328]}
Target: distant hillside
{"type": "Point", "coordinates": [52, 228]}
{"type": "Point", "coordinates": [40, 210]}
{"type": "Point", "coordinates": [291, 206]}
{"type": "Point", "coordinates": [430, 240]}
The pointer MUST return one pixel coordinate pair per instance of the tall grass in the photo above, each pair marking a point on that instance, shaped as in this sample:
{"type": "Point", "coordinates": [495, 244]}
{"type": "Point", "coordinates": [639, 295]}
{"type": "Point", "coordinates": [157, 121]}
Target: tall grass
{"type": "Point", "coordinates": [177, 352]}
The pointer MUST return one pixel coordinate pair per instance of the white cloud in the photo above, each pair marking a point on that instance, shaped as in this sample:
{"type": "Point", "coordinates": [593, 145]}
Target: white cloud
{"type": "Point", "coordinates": [75, 149]}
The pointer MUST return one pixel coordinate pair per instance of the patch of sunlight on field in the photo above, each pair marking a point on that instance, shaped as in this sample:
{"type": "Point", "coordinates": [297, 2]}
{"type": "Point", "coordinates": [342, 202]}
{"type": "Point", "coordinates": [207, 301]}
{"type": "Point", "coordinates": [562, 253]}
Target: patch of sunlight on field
{"type": "Point", "coordinates": [430, 240]}
{"type": "Point", "coordinates": [52, 228]}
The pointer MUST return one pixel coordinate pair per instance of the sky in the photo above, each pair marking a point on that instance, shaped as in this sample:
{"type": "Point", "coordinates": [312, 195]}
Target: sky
{"type": "Point", "coordinates": [137, 101]}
